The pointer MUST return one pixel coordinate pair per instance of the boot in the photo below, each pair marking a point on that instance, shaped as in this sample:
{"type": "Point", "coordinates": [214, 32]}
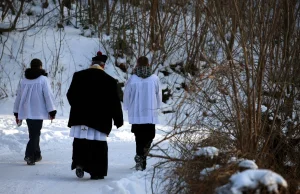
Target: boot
{"type": "Point", "coordinates": [139, 166]}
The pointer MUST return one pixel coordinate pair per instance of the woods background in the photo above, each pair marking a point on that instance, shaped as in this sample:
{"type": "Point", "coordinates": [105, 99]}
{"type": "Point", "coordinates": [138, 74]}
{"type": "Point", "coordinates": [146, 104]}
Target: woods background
{"type": "Point", "coordinates": [238, 62]}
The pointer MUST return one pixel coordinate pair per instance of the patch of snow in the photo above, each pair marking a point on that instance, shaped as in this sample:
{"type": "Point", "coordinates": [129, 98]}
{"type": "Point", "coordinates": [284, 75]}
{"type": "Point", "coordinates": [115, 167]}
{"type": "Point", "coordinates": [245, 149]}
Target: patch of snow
{"type": "Point", "coordinates": [121, 60]}
{"type": "Point", "coordinates": [164, 86]}
{"type": "Point", "coordinates": [263, 108]}
{"type": "Point", "coordinates": [105, 37]}
{"type": "Point", "coordinates": [36, 10]}
{"type": "Point", "coordinates": [249, 164]}
{"type": "Point", "coordinates": [87, 33]}
{"type": "Point", "coordinates": [232, 159]}
{"type": "Point", "coordinates": [54, 169]}
{"type": "Point", "coordinates": [206, 171]}
{"type": "Point", "coordinates": [4, 25]}
{"type": "Point", "coordinates": [208, 152]}
{"type": "Point", "coordinates": [250, 179]}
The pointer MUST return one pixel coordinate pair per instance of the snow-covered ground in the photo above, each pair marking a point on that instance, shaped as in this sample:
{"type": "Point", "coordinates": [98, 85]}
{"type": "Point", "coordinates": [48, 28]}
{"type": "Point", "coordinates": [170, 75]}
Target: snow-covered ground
{"type": "Point", "coordinates": [53, 174]}
{"type": "Point", "coordinates": [63, 52]}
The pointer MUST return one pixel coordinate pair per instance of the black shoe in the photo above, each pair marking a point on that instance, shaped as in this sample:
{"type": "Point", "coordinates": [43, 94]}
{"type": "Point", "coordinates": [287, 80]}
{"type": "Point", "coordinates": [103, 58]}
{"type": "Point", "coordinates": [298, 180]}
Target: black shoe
{"type": "Point", "coordinates": [29, 161]}
{"type": "Point", "coordinates": [37, 159]}
{"type": "Point", "coordinates": [27, 158]}
{"type": "Point", "coordinates": [79, 172]}
{"type": "Point", "coordinates": [96, 177]}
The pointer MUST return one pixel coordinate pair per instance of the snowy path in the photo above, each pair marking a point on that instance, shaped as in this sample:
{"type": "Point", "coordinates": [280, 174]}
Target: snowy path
{"type": "Point", "coordinates": [53, 173]}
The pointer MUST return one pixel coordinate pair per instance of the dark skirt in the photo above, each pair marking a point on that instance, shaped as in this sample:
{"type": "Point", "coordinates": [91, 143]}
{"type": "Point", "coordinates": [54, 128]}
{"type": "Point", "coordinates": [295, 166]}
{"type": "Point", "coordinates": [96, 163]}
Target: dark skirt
{"type": "Point", "coordinates": [144, 131]}
{"type": "Point", "coordinates": [144, 135]}
{"type": "Point", "coordinates": [91, 155]}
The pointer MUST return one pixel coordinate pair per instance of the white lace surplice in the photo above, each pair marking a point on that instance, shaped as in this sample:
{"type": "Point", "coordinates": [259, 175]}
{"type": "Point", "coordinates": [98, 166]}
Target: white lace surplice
{"type": "Point", "coordinates": [85, 132]}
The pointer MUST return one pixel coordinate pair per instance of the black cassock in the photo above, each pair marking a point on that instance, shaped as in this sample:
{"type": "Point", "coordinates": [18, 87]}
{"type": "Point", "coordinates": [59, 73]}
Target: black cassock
{"type": "Point", "coordinates": [91, 155]}
{"type": "Point", "coordinates": [95, 102]}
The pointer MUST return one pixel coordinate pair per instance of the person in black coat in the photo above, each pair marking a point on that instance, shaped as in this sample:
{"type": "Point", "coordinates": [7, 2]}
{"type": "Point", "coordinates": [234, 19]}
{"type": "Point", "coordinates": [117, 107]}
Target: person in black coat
{"type": "Point", "coordinates": [94, 101]}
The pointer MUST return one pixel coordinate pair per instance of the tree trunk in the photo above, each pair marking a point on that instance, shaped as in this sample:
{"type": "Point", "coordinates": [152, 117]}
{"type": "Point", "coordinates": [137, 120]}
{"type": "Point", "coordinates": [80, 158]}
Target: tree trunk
{"type": "Point", "coordinates": [107, 18]}
{"type": "Point", "coordinates": [153, 13]}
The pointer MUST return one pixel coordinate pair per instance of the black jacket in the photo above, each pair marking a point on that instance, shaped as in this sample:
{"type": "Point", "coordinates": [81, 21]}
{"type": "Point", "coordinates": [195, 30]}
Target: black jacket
{"type": "Point", "coordinates": [94, 100]}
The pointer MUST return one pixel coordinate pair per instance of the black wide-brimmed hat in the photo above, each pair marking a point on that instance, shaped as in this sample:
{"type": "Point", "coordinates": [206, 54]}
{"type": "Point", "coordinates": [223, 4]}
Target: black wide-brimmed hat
{"type": "Point", "coordinates": [99, 57]}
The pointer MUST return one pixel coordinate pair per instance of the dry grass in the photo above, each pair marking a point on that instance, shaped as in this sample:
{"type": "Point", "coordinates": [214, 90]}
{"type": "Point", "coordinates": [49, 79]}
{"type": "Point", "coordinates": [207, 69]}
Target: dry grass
{"type": "Point", "coordinates": [184, 175]}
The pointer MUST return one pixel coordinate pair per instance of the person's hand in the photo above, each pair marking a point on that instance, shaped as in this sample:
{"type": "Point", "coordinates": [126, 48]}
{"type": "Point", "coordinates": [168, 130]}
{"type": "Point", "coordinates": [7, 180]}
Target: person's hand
{"type": "Point", "coordinates": [52, 115]}
{"type": "Point", "coordinates": [16, 117]}
{"type": "Point", "coordinates": [17, 120]}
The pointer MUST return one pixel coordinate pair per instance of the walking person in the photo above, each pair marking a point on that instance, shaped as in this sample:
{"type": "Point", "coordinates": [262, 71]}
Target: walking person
{"type": "Point", "coordinates": [35, 103]}
{"type": "Point", "coordinates": [94, 102]}
{"type": "Point", "coordinates": [142, 99]}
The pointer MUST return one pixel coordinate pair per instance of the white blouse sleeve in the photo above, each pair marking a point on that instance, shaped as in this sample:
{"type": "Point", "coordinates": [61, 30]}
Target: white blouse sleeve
{"type": "Point", "coordinates": [48, 95]}
{"type": "Point", "coordinates": [158, 93]}
{"type": "Point", "coordinates": [126, 98]}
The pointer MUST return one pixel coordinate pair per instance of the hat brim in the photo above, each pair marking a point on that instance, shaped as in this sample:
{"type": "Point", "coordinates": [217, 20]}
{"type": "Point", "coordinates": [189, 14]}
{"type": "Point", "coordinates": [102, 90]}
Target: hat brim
{"type": "Point", "coordinates": [101, 58]}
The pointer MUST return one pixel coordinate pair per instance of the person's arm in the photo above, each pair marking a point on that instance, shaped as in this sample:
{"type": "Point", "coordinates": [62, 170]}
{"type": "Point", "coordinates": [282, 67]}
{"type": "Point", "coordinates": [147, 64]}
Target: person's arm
{"type": "Point", "coordinates": [117, 113]}
{"type": "Point", "coordinates": [72, 89]}
{"type": "Point", "coordinates": [17, 103]}
{"type": "Point", "coordinates": [158, 93]}
{"type": "Point", "coordinates": [126, 97]}
{"type": "Point", "coordinates": [49, 98]}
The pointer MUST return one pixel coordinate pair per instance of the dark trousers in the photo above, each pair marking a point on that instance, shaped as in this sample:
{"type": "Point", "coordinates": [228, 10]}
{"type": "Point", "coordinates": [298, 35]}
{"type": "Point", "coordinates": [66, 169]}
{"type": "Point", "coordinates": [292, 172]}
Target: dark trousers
{"type": "Point", "coordinates": [33, 146]}
{"type": "Point", "coordinates": [144, 135]}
